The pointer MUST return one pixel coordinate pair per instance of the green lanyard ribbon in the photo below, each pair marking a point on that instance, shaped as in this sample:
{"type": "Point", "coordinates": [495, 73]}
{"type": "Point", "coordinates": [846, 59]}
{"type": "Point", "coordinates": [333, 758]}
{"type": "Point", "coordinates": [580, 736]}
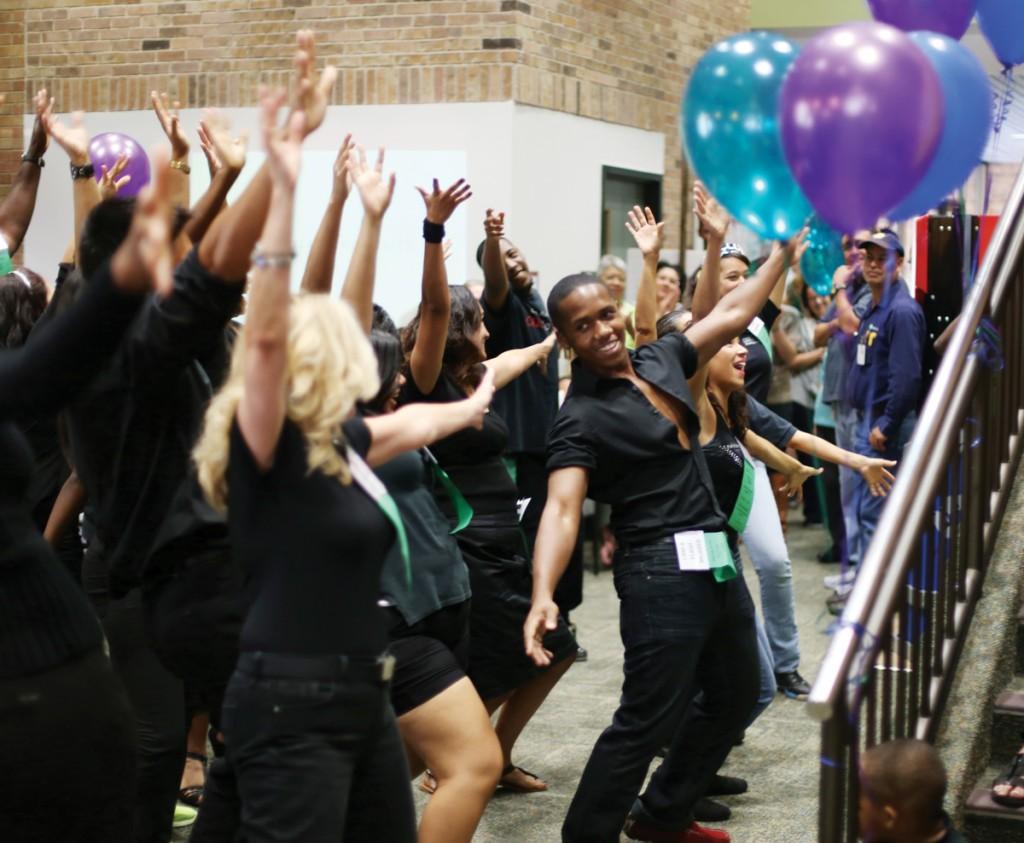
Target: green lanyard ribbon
{"type": "Point", "coordinates": [720, 560]}
{"type": "Point", "coordinates": [744, 501]}
{"type": "Point", "coordinates": [370, 483]}
{"type": "Point", "coordinates": [463, 511]}
{"type": "Point", "coordinates": [5, 262]}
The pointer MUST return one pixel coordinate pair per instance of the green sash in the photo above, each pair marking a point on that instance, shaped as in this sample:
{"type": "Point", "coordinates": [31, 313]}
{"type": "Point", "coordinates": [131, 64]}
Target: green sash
{"type": "Point", "coordinates": [720, 556]}
{"type": "Point", "coordinates": [744, 501]}
{"type": "Point", "coordinates": [463, 511]}
{"type": "Point", "coordinates": [760, 330]}
{"type": "Point", "coordinates": [370, 483]}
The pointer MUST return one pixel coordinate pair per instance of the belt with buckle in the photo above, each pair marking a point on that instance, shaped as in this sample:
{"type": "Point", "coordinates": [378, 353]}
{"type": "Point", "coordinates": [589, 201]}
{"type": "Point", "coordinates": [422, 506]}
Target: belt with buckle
{"type": "Point", "coordinates": [323, 668]}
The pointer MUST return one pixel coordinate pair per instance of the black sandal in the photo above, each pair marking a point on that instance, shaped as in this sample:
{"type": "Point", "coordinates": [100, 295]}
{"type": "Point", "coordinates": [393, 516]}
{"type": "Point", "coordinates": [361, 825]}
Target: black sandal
{"type": "Point", "coordinates": [193, 794]}
{"type": "Point", "coordinates": [512, 768]}
{"type": "Point", "coordinates": [1014, 777]}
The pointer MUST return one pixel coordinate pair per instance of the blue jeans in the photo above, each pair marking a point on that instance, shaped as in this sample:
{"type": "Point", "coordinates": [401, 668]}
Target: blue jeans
{"type": "Point", "coordinates": [767, 547]}
{"type": "Point", "coordinates": [682, 632]}
{"type": "Point", "coordinates": [317, 760]}
{"type": "Point", "coordinates": [867, 507]}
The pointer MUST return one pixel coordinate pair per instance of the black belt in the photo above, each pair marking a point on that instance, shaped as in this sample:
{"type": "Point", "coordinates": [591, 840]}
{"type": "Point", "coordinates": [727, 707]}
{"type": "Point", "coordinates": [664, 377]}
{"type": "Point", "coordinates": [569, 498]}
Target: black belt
{"type": "Point", "coordinates": [317, 668]}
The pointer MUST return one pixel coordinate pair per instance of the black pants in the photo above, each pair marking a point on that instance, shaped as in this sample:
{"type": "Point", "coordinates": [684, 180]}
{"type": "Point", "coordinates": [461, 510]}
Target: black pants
{"type": "Point", "coordinates": [532, 482]}
{"type": "Point", "coordinates": [681, 632]}
{"type": "Point", "coordinates": [194, 619]}
{"type": "Point", "coordinates": [814, 492]}
{"type": "Point", "coordinates": [158, 701]}
{"type": "Point", "coordinates": [67, 755]}
{"type": "Point", "coordinates": [317, 759]}
{"type": "Point", "coordinates": [833, 497]}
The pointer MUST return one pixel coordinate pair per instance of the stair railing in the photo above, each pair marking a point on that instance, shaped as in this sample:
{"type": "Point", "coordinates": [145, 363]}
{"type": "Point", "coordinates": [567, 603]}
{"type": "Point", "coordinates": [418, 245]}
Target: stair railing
{"type": "Point", "coordinates": [891, 663]}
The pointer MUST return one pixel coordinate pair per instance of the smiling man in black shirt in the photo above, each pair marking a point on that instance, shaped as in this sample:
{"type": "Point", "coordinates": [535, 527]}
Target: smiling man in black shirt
{"type": "Point", "coordinates": [624, 437]}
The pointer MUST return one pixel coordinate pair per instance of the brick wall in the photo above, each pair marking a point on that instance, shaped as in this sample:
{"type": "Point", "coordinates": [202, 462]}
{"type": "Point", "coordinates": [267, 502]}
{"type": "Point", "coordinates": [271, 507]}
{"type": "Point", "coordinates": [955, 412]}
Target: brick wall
{"type": "Point", "coordinates": [622, 61]}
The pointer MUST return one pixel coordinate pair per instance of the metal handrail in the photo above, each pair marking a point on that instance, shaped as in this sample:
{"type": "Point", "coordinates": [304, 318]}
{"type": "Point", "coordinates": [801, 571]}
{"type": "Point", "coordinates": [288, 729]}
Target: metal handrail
{"type": "Point", "coordinates": [942, 445]}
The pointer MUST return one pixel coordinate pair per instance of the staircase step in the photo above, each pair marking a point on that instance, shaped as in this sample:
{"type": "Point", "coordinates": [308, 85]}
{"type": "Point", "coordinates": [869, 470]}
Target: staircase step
{"type": "Point", "coordinates": [988, 822]}
{"type": "Point", "coordinates": [1008, 722]}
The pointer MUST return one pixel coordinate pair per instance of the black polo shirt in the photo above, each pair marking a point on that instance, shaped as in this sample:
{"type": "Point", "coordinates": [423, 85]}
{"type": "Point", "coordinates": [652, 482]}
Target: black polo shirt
{"type": "Point", "coordinates": [631, 451]}
{"type": "Point", "coordinates": [529, 403]}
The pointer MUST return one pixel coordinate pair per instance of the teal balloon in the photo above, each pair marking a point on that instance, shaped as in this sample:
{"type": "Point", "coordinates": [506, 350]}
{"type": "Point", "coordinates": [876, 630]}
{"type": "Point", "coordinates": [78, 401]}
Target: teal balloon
{"type": "Point", "coordinates": [731, 132]}
{"type": "Point", "coordinates": [823, 257]}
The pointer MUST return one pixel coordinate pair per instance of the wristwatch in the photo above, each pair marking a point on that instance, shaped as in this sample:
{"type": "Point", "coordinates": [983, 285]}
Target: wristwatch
{"type": "Point", "coordinates": [180, 165]}
{"type": "Point", "coordinates": [86, 171]}
{"type": "Point", "coordinates": [37, 160]}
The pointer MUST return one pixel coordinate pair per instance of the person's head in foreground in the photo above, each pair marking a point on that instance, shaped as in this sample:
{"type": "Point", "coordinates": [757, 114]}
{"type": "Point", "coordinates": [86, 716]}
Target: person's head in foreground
{"type": "Point", "coordinates": [902, 785]}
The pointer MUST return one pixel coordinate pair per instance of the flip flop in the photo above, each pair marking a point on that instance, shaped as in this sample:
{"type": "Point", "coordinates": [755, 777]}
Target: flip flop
{"type": "Point", "coordinates": [1014, 781]}
{"type": "Point", "coordinates": [515, 788]}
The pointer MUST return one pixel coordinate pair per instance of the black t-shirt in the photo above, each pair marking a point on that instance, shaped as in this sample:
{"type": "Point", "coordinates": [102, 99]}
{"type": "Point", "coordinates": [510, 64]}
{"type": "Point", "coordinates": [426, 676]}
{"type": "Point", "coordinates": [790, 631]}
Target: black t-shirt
{"type": "Point", "coordinates": [439, 574]}
{"type": "Point", "coordinates": [132, 431]}
{"type": "Point", "coordinates": [725, 463]}
{"type": "Point", "coordinates": [759, 358]}
{"type": "Point", "coordinates": [769, 425]}
{"type": "Point", "coordinates": [313, 549]}
{"type": "Point", "coordinates": [529, 403]}
{"type": "Point", "coordinates": [631, 451]}
{"type": "Point", "coordinates": [473, 458]}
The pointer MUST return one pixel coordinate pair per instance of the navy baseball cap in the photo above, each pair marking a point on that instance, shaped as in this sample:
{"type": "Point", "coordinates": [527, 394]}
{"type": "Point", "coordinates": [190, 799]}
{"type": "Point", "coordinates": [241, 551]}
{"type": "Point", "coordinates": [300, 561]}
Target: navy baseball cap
{"type": "Point", "coordinates": [886, 239]}
{"type": "Point", "coordinates": [731, 250]}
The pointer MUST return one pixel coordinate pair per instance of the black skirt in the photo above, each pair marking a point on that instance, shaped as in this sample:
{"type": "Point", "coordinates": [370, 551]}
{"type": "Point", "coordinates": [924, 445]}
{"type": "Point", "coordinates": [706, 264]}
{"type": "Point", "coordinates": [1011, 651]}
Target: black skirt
{"type": "Point", "coordinates": [501, 580]}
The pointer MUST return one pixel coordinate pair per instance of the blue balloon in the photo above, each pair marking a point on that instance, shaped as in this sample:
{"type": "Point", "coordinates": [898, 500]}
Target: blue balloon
{"type": "Point", "coordinates": [968, 95]}
{"type": "Point", "coordinates": [1002, 22]}
{"type": "Point", "coordinates": [731, 132]}
{"type": "Point", "coordinates": [823, 257]}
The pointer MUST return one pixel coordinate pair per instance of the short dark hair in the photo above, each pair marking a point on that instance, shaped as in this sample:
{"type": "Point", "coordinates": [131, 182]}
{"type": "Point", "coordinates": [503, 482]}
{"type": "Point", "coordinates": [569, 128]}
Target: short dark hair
{"type": "Point", "coordinates": [22, 302]}
{"type": "Point", "coordinates": [106, 228]}
{"type": "Point", "coordinates": [460, 355]}
{"type": "Point", "coordinates": [565, 288]}
{"type": "Point", "coordinates": [669, 265]}
{"type": "Point", "coordinates": [909, 775]}
{"type": "Point", "coordinates": [382, 321]}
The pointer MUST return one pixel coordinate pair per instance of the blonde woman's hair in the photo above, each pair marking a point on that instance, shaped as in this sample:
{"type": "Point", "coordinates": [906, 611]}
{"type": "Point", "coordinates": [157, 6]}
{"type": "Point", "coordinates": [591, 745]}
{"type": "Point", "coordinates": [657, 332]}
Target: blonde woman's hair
{"type": "Point", "coordinates": [330, 366]}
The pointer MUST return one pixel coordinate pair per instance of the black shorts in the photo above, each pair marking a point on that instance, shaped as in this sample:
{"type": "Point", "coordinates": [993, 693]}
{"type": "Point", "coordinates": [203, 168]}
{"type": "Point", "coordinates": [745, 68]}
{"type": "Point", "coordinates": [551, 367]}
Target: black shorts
{"type": "Point", "coordinates": [430, 656]}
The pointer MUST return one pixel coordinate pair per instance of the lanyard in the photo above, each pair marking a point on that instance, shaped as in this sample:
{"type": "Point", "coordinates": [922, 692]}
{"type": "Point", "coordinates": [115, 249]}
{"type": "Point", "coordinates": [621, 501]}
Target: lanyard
{"type": "Point", "coordinates": [370, 483]}
{"type": "Point", "coordinates": [5, 262]}
{"type": "Point", "coordinates": [760, 330]}
{"type": "Point", "coordinates": [463, 511]}
{"type": "Point", "coordinates": [744, 501]}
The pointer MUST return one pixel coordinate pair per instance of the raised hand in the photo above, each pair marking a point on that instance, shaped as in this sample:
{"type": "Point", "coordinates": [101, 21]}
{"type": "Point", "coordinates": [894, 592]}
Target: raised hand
{"type": "Point", "coordinates": [494, 224]}
{"type": "Point", "coordinates": [205, 144]}
{"type": "Point", "coordinates": [229, 150]}
{"type": "Point", "coordinates": [73, 139]}
{"type": "Point", "coordinates": [877, 475]}
{"type": "Point", "coordinates": [441, 204]}
{"type": "Point", "coordinates": [167, 113]}
{"type": "Point", "coordinates": [143, 261]}
{"type": "Point", "coordinates": [714, 217]}
{"type": "Point", "coordinates": [647, 232]}
{"type": "Point", "coordinates": [797, 245]}
{"type": "Point", "coordinates": [109, 183]}
{"type": "Point", "coordinates": [40, 140]}
{"type": "Point", "coordinates": [283, 145]}
{"type": "Point", "coordinates": [374, 191]}
{"type": "Point", "coordinates": [311, 91]}
{"type": "Point", "coordinates": [342, 177]}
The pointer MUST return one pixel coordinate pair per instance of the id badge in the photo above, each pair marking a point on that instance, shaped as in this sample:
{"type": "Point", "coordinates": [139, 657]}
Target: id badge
{"type": "Point", "coordinates": [756, 325]}
{"type": "Point", "coordinates": [862, 354]}
{"type": "Point", "coordinates": [692, 551]}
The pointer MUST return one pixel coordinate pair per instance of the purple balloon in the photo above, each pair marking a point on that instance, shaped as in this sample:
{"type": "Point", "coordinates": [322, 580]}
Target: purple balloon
{"type": "Point", "coordinates": [861, 115]}
{"type": "Point", "coordinates": [950, 17]}
{"type": "Point", "coordinates": [105, 149]}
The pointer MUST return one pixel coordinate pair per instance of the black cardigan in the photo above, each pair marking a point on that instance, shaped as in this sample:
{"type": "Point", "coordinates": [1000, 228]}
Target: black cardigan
{"type": "Point", "coordinates": [45, 618]}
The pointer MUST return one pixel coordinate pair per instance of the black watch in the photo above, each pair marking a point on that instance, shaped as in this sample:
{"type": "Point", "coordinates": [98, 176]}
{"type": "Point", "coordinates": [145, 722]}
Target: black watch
{"type": "Point", "coordinates": [86, 171]}
{"type": "Point", "coordinates": [30, 159]}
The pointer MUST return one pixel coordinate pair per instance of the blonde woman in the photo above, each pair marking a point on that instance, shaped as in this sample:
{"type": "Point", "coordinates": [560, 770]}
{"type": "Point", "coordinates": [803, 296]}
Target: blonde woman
{"type": "Point", "coordinates": [309, 728]}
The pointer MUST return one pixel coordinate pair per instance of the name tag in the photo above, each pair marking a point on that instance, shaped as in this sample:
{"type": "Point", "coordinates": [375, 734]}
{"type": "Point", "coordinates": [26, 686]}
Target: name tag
{"type": "Point", "coordinates": [756, 325]}
{"type": "Point", "coordinates": [700, 551]}
{"type": "Point", "coordinates": [862, 354]}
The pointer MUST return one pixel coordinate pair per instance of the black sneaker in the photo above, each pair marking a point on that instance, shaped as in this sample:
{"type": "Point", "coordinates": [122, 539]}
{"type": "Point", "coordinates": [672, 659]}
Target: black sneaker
{"type": "Point", "coordinates": [581, 654]}
{"type": "Point", "coordinates": [793, 685]}
{"type": "Point", "coordinates": [709, 811]}
{"type": "Point", "coordinates": [726, 786]}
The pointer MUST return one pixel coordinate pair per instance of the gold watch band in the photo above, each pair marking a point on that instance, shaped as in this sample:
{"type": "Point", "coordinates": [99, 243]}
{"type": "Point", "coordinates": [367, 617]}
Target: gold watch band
{"type": "Point", "coordinates": [181, 165]}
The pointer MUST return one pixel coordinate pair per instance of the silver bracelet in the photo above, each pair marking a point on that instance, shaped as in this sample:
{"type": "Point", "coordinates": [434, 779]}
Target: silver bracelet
{"type": "Point", "coordinates": [271, 260]}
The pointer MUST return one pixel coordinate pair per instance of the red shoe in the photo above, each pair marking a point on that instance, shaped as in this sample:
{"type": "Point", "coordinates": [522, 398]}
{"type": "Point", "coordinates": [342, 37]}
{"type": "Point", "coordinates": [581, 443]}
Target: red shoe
{"type": "Point", "coordinates": [639, 830]}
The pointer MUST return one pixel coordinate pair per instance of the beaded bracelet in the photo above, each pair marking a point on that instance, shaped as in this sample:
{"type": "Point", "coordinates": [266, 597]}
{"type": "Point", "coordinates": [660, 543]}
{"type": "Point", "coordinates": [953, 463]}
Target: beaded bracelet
{"type": "Point", "coordinates": [272, 260]}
